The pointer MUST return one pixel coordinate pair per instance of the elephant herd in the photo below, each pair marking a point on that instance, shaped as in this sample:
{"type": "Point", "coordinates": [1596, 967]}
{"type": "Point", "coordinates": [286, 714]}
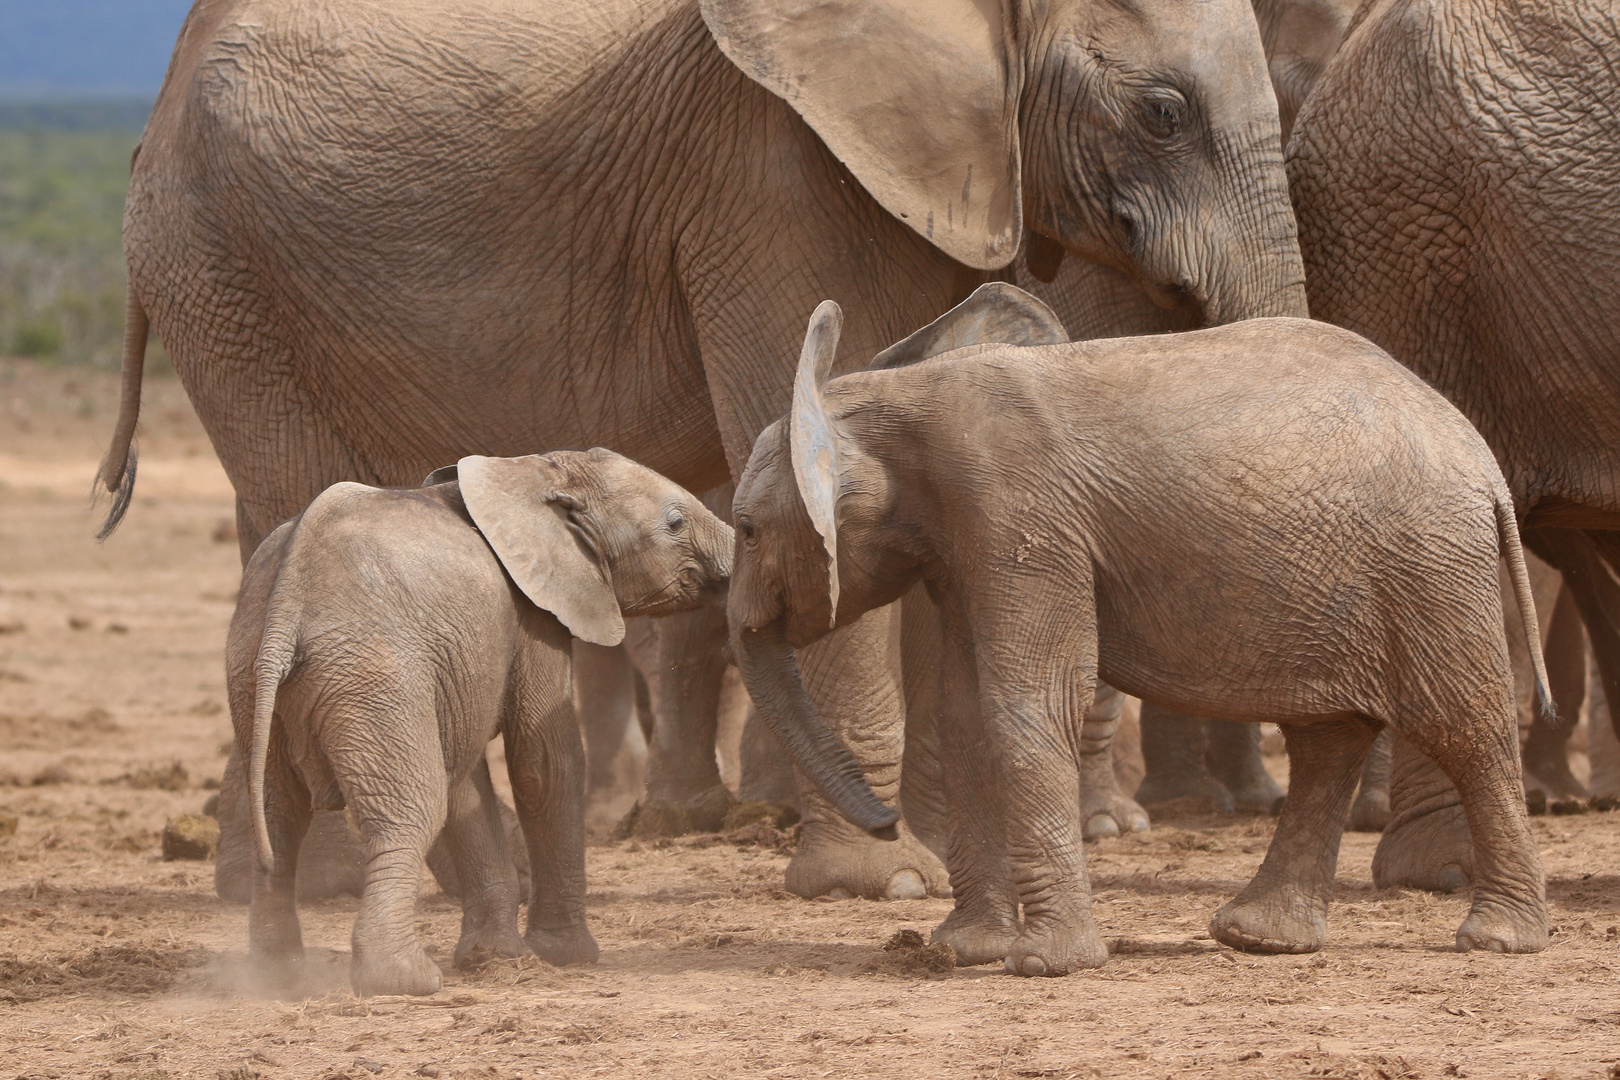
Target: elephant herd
{"type": "Point", "coordinates": [379, 238]}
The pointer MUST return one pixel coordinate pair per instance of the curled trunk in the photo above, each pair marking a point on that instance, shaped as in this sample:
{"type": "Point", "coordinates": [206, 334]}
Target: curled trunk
{"type": "Point", "coordinates": [772, 677]}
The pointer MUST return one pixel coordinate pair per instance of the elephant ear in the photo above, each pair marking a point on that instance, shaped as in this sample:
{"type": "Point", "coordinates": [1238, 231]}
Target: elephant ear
{"type": "Point", "coordinates": [814, 441]}
{"type": "Point", "coordinates": [916, 97]}
{"type": "Point", "coordinates": [996, 312]}
{"type": "Point", "coordinates": [532, 521]}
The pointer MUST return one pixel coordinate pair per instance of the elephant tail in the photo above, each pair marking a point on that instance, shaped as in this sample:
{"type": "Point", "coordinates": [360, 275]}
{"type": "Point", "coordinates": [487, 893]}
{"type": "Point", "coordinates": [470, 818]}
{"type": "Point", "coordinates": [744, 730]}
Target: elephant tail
{"type": "Point", "coordinates": [117, 472]}
{"type": "Point", "coordinates": [1507, 528]}
{"type": "Point", "coordinates": [277, 649]}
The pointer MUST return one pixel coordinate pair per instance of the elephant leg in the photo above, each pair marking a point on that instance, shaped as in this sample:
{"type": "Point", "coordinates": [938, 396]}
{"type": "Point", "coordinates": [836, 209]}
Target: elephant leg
{"type": "Point", "coordinates": [274, 937]}
{"type": "Point", "coordinates": [766, 771]}
{"type": "Point", "coordinates": [604, 682]}
{"type": "Point", "coordinates": [1105, 810]}
{"type": "Point", "coordinates": [1602, 745]}
{"type": "Point", "coordinates": [1284, 908]}
{"type": "Point", "coordinates": [983, 923]}
{"type": "Point", "coordinates": [853, 677]}
{"type": "Point", "coordinates": [922, 662]}
{"type": "Point", "coordinates": [1174, 754]}
{"type": "Point", "coordinates": [1509, 910]}
{"type": "Point", "coordinates": [546, 762]}
{"type": "Point", "coordinates": [330, 859]}
{"type": "Point", "coordinates": [685, 793]}
{"type": "Point", "coordinates": [1370, 812]}
{"type": "Point", "coordinates": [1426, 844]}
{"type": "Point", "coordinates": [397, 792]}
{"type": "Point", "coordinates": [1236, 763]}
{"type": "Point", "coordinates": [476, 838]}
{"type": "Point", "coordinates": [1546, 746]}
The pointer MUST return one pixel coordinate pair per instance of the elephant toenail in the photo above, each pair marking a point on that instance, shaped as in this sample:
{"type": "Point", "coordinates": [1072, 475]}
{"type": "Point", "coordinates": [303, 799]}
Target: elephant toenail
{"type": "Point", "coordinates": [1452, 878]}
{"type": "Point", "coordinates": [838, 892]}
{"type": "Point", "coordinates": [906, 885]}
{"type": "Point", "coordinates": [1099, 826]}
{"type": "Point", "coordinates": [1033, 966]}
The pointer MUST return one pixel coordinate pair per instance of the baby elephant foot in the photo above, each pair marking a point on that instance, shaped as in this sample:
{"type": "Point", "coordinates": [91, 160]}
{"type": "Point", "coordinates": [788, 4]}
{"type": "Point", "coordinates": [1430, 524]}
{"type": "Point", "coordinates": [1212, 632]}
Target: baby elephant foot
{"type": "Point", "coordinates": [1431, 850]}
{"type": "Point", "coordinates": [1056, 950]}
{"type": "Point", "coordinates": [569, 945]}
{"type": "Point", "coordinates": [977, 941]}
{"type": "Point", "coordinates": [407, 972]}
{"type": "Point", "coordinates": [1370, 812]}
{"type": "Point", "coordinates": [1280, 921]}
{"type": "Point", "coordinates": [839, 861]}
{"type": "Point", "coordinates": [1493, 928]}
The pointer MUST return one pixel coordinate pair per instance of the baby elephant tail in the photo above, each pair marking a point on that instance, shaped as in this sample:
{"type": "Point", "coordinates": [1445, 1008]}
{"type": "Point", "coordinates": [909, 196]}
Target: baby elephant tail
{"type": "Point", "coordinates": [1507, 528]}
{"type": "Point", "coordinates": [275, 660]}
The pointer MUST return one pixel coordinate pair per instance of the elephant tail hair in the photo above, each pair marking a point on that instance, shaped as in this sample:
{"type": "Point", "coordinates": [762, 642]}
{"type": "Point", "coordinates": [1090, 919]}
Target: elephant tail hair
{"type": "Point", "coordinates": [117, 473]}
{"type": "Point", "coordinates": [275, 660]}
{"type": "Point", "coordinates": [1507, 528]}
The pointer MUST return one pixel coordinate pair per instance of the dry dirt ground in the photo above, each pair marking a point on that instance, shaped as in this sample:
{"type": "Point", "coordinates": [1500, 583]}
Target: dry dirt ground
{"type": "Point", "coordinates": [116, 964]}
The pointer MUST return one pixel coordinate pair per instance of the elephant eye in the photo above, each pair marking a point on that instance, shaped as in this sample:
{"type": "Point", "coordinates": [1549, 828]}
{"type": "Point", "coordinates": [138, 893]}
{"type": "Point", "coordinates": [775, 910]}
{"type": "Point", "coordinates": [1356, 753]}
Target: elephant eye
{"type": "Point", "coordinates": [745, 530]}
{"type": "Point", "coordinates": [1164, 114]}
{"type": "Point", "coordinates": [676, 522]}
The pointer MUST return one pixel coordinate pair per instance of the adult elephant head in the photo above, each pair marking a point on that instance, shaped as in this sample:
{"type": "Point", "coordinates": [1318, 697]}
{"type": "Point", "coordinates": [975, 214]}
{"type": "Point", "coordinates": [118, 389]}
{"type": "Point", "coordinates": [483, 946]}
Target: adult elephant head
{"type": "Point", "coordinates": [1144, 136]}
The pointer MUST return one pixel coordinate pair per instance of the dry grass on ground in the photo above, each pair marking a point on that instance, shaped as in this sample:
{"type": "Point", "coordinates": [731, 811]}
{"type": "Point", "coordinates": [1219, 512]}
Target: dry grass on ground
{"type": "Point", "coordinates": [115, 964]}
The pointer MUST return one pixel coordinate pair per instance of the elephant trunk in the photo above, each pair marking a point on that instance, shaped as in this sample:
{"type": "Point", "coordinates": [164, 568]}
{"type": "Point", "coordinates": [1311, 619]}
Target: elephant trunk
{"type": "Point", "coordinates": [771, 674]}
{"type": "Point", "coordinates": [1255, 268]}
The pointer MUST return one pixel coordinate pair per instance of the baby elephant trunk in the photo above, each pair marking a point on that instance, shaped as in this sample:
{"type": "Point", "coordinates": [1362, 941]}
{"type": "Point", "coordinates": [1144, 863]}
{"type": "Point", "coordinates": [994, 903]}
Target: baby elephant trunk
{"type": "Point", "coordinates": [772, 676]}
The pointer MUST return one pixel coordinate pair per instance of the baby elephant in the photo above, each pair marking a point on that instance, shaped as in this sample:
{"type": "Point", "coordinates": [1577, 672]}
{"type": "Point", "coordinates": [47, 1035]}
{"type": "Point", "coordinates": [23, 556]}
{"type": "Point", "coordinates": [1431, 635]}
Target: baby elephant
{"type": "Point", "coordinates": [1270, 520]}
{"type": "Point", "coordinates": [384, 636]}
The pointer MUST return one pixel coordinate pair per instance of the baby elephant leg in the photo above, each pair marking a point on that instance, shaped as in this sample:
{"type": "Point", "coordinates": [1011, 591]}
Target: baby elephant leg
{"type": "Point", "coordinates": [1284, 909]}
{"type": "Point", "coordinates": [274, 938]}
{"type": "Point", "coordinates": [1509, 912]}
{"type": "Point", "coordinates": [546, 761]}
{"type": "Point", "coordinates": [476, 837]}
{"type": "Point", "coordinates": [399, 806]}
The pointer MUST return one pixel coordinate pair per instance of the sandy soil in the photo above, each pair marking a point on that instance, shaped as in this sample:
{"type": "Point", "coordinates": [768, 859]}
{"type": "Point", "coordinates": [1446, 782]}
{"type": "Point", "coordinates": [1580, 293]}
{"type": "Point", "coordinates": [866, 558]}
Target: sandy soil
{"type": "Point", "coordinates": [116, 964]}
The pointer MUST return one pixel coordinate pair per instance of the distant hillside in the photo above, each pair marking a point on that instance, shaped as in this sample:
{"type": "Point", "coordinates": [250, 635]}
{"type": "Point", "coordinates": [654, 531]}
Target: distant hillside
{"type": "Point", "coordinates": [86, 47]}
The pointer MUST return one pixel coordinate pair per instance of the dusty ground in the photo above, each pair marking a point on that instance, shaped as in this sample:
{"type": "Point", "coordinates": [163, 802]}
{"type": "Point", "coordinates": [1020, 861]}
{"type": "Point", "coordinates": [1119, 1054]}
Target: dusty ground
{"type": "Point", "coordinates": [116, 964]}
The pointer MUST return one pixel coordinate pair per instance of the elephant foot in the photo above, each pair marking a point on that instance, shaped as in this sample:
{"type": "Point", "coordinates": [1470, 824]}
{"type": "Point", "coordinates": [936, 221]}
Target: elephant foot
{"type": "Point", "coordinates": [1276, 921]}
{"type": "Point", "coordinates": [1262, 795]}
{"type": "Point", "coordinates": [977, 940]}
{"type": "Point", "coordinates": [835, 859]}
{"type": "Point", "coordinates": [1110, 812]}
{"type": "Point", "coordinates": [1370, 812]}
{"type": "Point", "coordinates": [1051, 951]}
{"type": "Point", "coordinates": [483, 940]}
{"type": "Point", "coordinates": [704, 812]}
{"type": "Point", "coordinates": [409, 971]}
{"type": "Point", "coordinates": [1497, 928]}
{"type": "Point", "coordinates": [1196, 787]}
{"type": "Point", "coordinates": [1548, 767]}
{"type": "Point", "coordinates": [1431, 850]}
{"type": "Point", "coordinates": [570, 945]}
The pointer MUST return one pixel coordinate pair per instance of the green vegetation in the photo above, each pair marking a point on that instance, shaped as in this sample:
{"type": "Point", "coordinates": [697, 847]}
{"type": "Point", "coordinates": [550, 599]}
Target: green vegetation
{"type": "Point", "coordinates": [61, 250]}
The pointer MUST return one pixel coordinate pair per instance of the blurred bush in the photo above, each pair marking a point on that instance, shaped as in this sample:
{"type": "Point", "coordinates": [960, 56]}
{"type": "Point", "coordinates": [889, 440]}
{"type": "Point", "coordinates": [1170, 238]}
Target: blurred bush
{"type": "Point", "coordinates": [61, 250]}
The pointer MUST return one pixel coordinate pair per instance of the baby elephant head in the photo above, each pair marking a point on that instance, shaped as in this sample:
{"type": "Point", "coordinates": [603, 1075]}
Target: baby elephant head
{"type": "Point", "coordinates": [829, 527]}
{"type": "Point", "coordinates": [591, 537]}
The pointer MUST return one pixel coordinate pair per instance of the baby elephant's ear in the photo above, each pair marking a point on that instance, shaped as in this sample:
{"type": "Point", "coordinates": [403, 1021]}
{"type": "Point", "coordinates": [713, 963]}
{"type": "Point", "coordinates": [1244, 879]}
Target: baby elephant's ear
{"type": "Point", "coordinates": [536, 533]}
{"type": "Point", "coordinates": [996, 313]}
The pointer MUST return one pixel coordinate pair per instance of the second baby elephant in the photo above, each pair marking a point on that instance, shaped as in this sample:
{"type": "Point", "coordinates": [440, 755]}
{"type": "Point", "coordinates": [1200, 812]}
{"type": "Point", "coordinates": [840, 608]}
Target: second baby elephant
{"type": "Point", "coordinates": [1269, 521]}
{"type": "Point", "coordinates": [383, 638]}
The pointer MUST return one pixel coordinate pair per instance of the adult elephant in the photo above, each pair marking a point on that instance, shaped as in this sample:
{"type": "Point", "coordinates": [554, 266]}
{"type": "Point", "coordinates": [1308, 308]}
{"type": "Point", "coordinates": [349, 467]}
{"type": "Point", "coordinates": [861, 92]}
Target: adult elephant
{"type": "Point", "coordinates": [1452, 173]}
{"type": "Point", "coordinates": [376, 237]}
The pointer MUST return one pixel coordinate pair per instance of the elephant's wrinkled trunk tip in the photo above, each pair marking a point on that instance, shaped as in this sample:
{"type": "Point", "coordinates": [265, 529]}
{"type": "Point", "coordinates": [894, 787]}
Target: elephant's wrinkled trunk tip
{"type": "Point", "coordinates": [771, 675]}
